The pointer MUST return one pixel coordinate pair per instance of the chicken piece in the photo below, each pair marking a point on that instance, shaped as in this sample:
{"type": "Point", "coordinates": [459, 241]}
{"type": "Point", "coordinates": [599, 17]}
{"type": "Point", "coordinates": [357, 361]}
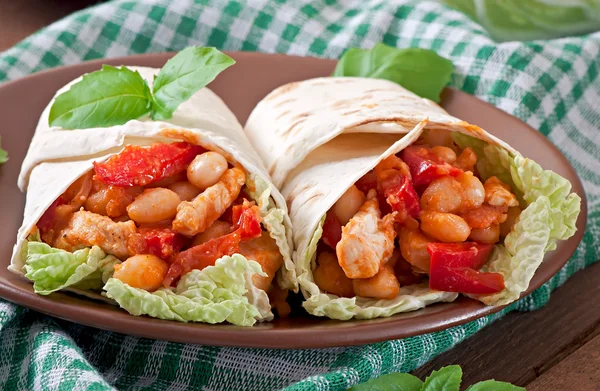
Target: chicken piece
{"type": "Point", "coordinates": [263, 250]}
{"type": "Point", "coordinates": [197, 215]}
{"type": "Point", "coordinates": [497, 193]}
{"type": "Point", "coordinates": [85, 229]}
{"type": "Point", "coordinates": [109, 200]}
{"type": "Point", "coordinates": [367, 242]}
{"type": "Point", "coordinates": [466, 160]}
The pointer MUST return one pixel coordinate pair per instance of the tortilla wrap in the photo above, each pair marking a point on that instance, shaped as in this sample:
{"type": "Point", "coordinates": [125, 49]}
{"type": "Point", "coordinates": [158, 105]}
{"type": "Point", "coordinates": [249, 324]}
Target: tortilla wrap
{"type": "Point", "coordinates": [57, 157]}
{"type": "Point", "coordinates": [318, 137]}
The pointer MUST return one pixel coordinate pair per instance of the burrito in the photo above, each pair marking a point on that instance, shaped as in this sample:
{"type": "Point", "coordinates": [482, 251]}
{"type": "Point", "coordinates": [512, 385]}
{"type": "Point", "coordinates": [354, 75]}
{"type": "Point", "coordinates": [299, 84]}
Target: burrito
{"type": "Point", "coordinates": [173, 219]}
{"type": "Point", "coordinates": [396, 204]}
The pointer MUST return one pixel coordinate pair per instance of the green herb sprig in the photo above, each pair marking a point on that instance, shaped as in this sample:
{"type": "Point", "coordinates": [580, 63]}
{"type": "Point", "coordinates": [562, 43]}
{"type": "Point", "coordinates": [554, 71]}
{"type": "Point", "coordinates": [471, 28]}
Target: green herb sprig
{"type": "Point", "coordinates": [421, 71]}
{"type": "Point", "coordinates": [113, 96]}
{"type": "Point", "coordinates": [446, 379]}
{"type": "Point", "coordinates": [3, 155]}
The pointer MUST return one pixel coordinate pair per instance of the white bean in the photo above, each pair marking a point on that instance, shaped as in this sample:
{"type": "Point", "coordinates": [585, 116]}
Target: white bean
{"type": "Point", "coordinates": [206, 169]}
{"type": "Point", "coordinates": [143, 271]}
{"type": "Point", "coordinates": [473, 191]}
{"type": "Point", "coordinates": [445, 227]}
{"type": "Point", "coordinates": [444, 153]}
{"type": "Point", "coordinates": [443, 195]}
{"type": "Point", "coordinates": [153, 205]}
{"type": "Point", "coordinates": [490, 234]}
{"type": "Point", "coordinates": [346, 207]}
{"type": "Point", "coordinates": [185, 190]}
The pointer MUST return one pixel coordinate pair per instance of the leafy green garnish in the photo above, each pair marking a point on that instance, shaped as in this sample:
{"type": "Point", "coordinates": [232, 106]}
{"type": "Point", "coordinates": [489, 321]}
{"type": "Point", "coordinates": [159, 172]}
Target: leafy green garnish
{"type": "Point", "coordinates": [3, 154]}
{"type": "Point", "coordinates": [493, 385]}
{"type": "Point", "coordinates": [421, 71]}
{"type": "Point", "coordinates": [108, 97]}
{"type": "Point", "coordinates": [446, 379]}
{"type": "Point", "coordinates": [525, 20]}
{"type": "Point", "coordinates": [113, 96]}
{"type": "Point", "coordinates": [391, 382]}
{"type": "Point", "coordinates": [183, 75]}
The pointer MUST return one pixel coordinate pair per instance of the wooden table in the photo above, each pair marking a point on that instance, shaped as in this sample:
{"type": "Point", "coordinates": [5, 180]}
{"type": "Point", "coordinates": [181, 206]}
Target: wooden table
{"type": "Point", "coordinates": [555, 348]}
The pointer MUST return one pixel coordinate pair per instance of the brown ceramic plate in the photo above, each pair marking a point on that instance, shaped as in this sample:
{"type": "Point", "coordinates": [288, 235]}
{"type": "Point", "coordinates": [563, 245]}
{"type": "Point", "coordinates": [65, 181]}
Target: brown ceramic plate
{"type": "Point", "coordinates": [242, 86]}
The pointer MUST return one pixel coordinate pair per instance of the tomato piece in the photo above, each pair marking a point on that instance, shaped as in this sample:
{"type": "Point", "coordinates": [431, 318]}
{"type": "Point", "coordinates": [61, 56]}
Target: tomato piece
{"type": "Point", "coordinates": [246, 218]}
{"type": "Point", "coordinates": [457, 255]}
{"type": "Point", "coordinates": [46, 222]}
{"type": "Point", "coordinates": [140, 166]}
{"type": "Point", "coordinates": [367, 182]}
{"type": "Point", "coordinates": [332, 230]}
{"type": "Point", "coordinates": [466, 280]}
{"type": "Point", "coordinates": [400, 194]}
{"type": "Point", "coordinates": [206, 254]}
{"type": "Point", "coordinates": [164, 243]}
{"type": "Point", "coordinates": [425, 167]}
{"type": "Point", "coordinates": [227, 216]}
{"type": "Point", "coordinates": [454, 268]}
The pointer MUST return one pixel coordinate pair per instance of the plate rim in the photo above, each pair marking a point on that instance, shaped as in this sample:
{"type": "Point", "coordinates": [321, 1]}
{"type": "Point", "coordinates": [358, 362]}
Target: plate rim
{"type": "Point", "coordinates": [254, 337]}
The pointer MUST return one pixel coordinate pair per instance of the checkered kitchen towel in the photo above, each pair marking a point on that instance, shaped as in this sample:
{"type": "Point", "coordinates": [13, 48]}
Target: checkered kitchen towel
{"type": "Point", "coordinates": [551, 85]}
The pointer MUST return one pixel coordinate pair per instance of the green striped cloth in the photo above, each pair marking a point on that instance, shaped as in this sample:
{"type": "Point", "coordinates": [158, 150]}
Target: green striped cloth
{"type": "Point", "coordinates": [551, 85]}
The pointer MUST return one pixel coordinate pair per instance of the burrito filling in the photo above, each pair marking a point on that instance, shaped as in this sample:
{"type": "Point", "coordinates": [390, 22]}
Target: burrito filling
{"type": "Point", "coordinates": [424, 213]}
{"type": "Point", "coordinates": [161, 213]}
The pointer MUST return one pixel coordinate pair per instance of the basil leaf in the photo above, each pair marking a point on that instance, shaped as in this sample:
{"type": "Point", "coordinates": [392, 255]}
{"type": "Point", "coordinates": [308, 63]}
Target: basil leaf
{"type": "Point", "coordinates": [446, 379]}
{"type": "Point", "coordinates": [493, 385]}
{"type": "Point", "coordinates": [391, 382]}
{"type": "Point", "coordinates": [111, 96]}
{"type": "Point", "coordinates": [3, 155]}
{"type": "Point", "coordinates": [183, 75]}
{"type": "Point", "coordinates": [421, 71]}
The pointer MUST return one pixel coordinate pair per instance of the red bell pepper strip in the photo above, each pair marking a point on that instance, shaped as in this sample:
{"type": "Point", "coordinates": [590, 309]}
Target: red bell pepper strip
{"type": "Point", "coordinates": [140, 166]}
{"type": "Point", "coordinates": [457, 255]}
{"type": "Point", "coordinates": [454, 268]}
{"type": "Point", "coordinates": [400, 194]}
{"type": "Point", "coordinates": [332, 230]}
{"type": "Point", "coordinates": [466, 280]}
{"type": "Point", "coordinates": [425, 167]}
{"type": "Point", "coordinates": [164, 243]}
{"type": "Point", "coordinates": [206, 254]}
